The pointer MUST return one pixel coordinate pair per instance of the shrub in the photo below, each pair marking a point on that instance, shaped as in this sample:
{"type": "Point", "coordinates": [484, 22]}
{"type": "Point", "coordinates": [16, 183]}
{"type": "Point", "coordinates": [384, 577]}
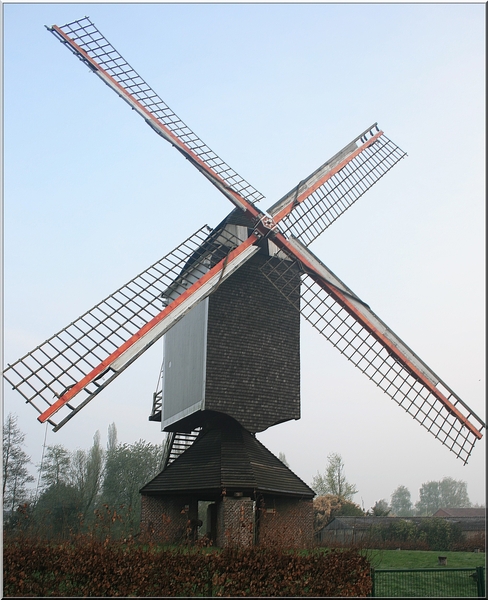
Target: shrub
{"type": "Point", "coordinates": [399, 531]}
{"type": "Point", "coordinates": [430, 534]}
{"type": "Point", "coordinates": [439, 533]}
{"type": "Point", "coordinates": [475, 543]}
{"type": "Point", "coordinates": [87, 566]}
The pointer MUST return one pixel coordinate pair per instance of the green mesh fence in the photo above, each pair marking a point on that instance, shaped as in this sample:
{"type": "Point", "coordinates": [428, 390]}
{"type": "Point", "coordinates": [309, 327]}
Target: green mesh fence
{"type": "Point", "coordinates": [429, 583]}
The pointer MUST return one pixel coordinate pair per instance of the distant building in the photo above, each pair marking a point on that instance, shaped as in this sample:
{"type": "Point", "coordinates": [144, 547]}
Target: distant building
{"type": "Point", "coordinates": [460, 512]}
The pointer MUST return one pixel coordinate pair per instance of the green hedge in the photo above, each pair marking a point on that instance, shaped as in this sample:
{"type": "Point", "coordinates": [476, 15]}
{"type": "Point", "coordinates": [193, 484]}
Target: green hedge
{"type": "Point", "coordinates": [430, 534]}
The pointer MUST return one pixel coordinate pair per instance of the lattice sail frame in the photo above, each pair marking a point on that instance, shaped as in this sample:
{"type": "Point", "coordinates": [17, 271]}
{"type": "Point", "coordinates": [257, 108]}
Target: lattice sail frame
{"type": "Point", "coordinates": [325, 194]}
{"type": "Point", "coordinates": [61, 362]}
{"type": "Point", "coordinates": [91, 47]}
{"type": "Point", "coordinates": [401, 375]}
{"type": "Point", "coordinates": [355, 176]}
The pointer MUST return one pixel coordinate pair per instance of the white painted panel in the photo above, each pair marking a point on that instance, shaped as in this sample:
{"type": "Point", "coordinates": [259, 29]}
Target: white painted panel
{"type": "Point", "coordinates": [185, 351]}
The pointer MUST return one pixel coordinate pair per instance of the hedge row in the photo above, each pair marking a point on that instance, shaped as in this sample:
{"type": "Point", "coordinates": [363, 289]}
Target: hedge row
{"type": "Point", "coordinates": [89, 567]}
{"type": "Point", "coordinates": [430, 534]}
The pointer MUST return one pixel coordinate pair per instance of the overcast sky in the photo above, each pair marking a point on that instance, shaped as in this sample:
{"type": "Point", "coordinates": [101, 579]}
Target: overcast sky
{"type": "Point", "coordinates": [92, 197]}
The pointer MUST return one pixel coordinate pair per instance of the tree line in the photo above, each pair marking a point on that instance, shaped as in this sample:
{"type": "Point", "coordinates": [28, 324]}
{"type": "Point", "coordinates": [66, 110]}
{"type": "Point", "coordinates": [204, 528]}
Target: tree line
{"type": "Point", "coordinates": [77, 490]}
{"type": "Point", "coordinates": [99, 487]}
{"type": "Point", "coordinates": [335, 493]}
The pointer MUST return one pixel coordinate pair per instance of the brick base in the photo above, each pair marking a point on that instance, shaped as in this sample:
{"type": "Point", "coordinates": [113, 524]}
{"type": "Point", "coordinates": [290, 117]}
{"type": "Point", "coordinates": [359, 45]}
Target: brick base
{"type": "Point", "coordinates": [276, 521]}
{"type": "Point", "coordinates": [167, 519]}
{"type": "Point", "coordinates": [285, 522]}
{"type": "Point", "coordinates": [235, 522]}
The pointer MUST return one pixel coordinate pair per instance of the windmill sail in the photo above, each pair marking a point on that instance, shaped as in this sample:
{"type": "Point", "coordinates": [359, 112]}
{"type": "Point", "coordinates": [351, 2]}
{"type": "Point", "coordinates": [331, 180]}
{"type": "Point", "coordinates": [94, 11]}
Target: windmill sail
{"type": "Point", "coordinates": [306, 211]}
{"type": "Point", "coordinates": [319, 200]}
{"type": "Point", "coordinates": [92, 48]}
{"type": "Point", "coordinates": [64, 373]}
{"type": "Point", "coordinates": [91, 352]}
{"type": "Point", "coordinates": [352, 327]}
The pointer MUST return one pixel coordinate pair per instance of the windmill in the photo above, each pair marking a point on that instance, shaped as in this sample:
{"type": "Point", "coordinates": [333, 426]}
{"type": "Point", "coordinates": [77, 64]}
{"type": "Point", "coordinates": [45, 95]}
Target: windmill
{"type": "Point", "coordinates": [252, 255]}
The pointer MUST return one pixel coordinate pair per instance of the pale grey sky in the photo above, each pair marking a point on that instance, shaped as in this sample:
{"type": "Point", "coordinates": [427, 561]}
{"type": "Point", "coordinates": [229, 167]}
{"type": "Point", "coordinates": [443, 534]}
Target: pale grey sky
{"type": "Point", "coordinates": [92, 197]}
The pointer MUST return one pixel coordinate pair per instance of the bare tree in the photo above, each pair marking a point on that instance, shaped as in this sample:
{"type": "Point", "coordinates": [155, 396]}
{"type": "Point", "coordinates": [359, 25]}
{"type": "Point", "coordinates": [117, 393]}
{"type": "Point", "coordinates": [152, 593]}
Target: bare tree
{"type": "Point", "coordinates": [15, 473]}
{"type": "Point", "coordinates": [282, 457]}
{"type": "Point", "coordinates": [334, 480]}
{"type": "Point", "coordinates": [56, 467]}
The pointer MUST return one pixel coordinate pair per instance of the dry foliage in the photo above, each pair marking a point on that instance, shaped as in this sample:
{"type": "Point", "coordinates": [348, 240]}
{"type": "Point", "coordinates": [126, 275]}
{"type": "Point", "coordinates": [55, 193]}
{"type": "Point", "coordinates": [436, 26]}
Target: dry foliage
{"type": "Point", "coordinates": [323, 508]}
{"type": "Point", "coordinates": [474, 543]}
{"type": "Point", "coordinates": [87, 566]}
{"type": "Point", "coordinates": [326, 507]}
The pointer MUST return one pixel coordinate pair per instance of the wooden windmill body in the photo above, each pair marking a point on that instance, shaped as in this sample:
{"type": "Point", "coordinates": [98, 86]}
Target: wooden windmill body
{"type": "Point", "coordinates": [227, 302]}
{"type": "Point", "coordinates": [237, 352]}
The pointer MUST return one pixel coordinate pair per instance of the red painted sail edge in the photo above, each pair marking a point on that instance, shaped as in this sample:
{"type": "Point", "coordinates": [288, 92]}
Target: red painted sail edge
{"type": "Point", "coordinates": [98, 370]}
{"type": "Point", "coordinates": [348, 305]}
{"type": "Point", "coordinates": [234, 196]}
{"type": "Point", "coordinates": [304, 195]}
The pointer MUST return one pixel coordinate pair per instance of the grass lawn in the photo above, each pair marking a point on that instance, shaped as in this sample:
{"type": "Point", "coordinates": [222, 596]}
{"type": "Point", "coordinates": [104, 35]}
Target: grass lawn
{"type": "Point", "coordinates": [418, 559]}
{"type": "Point", "coordinates": [424, 583]}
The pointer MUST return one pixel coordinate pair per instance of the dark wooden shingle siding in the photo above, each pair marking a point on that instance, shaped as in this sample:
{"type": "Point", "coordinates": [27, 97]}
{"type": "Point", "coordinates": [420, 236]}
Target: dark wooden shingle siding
{"type": "Point", "coordinates": [197, 468]}
{"type": "Point", "coordinates": [253, 350]}
{"type": "Point", "coordinates": [228, 458]}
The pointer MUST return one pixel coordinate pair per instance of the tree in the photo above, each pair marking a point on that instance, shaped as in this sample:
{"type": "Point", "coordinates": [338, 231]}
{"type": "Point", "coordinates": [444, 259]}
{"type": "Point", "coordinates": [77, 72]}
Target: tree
{"type": "Point", "coordinates": [454, 493]}
{"type": "Point", "coordinates": [380, 509]}
{"type": "Point", "coordinates": [128, 467]}
{"type": "Point", "coordinates": [334, 481]}
{"type": "Point", "coordinates": [282, 457]}
{"type": "Point", "coordinates": [86, 471]}
{"type": "Point", "coordinates": [447, 493]}
{"type": "Point", "coordinates": [348, 509]}
{"type": "Point", "coordinates": [58, 511]}
{"type": "Point", "coordinates": [15, 473]}
{"type": "Point", "coordinates": [94, 471]}
{"type": "Point", "coordinates": [429, 500]}
{"type": "Point", "coordinates": [112, 438]}
{"type": "Point", "coordinates": [323, 507]}
{"type": "Point", "coordinates": [439, 533]}
{"type": "Point", "coordinates": [329, 506]}
{"type": "Point", "coordinates": [56, 466]}
{"type": "Point", "coordinates": [401, 502]}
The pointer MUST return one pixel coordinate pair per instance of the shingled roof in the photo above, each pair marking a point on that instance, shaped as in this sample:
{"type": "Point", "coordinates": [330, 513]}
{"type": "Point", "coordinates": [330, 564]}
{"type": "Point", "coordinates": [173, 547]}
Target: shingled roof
{"type": "Point", "coordinates": [460, 512]}
{"type": "Point", "coordinates": [225, 456]}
